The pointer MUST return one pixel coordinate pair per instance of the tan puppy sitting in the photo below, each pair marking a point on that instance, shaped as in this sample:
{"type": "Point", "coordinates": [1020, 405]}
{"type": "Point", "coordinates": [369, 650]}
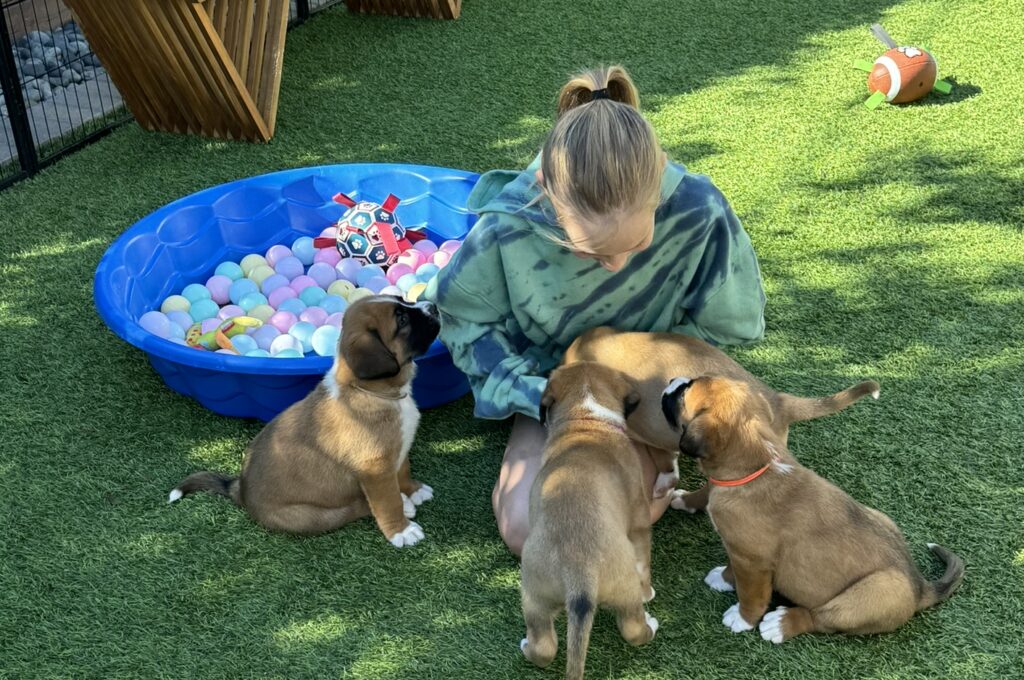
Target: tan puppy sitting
{"type": "Point", "coordinates": [652, 359]}
{"type": "Point", "coordinates": [844, 566]}
{"type": "Point", "coordinates": [589, 542]}
{"type": "Point", "coordinates": [342, 452]}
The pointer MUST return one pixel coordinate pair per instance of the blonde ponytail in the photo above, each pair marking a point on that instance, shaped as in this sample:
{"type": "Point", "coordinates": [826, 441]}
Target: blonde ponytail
{"type": "Point", "coordinates": [602, 156]}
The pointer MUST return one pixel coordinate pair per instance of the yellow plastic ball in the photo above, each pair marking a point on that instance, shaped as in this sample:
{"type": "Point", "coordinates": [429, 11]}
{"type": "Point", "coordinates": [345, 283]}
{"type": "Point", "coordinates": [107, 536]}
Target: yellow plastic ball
{"type": "Point", "coordinates": [250, 262]}
{"type": "Point", "coordinates": [262, 312]}
{"type": "Point", "coordinates": [260, 273]}
{"type": "Point", "coordinates": [415, 291]}
{"type": "Point", "coordinates": [359, 294]}
{"type": "Point", "coordinates": [341, 288]}
{"type": "Point", "coordinates": [175, 303]}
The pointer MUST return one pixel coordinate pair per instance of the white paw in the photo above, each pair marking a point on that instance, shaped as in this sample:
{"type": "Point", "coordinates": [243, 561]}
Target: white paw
{"type": "Point", "coordinates": [411, 535]}
{"type": "Point", "coordinates": [422, 494]}
{"type": "Point", "coordinates": [174, 495]}
{"type": "Point", "coordinates": [771, 625]}
{"type": "Point", "coordinates": [716, 582]}
{"type": "Point", "coordinates": [652, 623]}
{"type": "Point", "coordinates": [679, 501]}
{"type": "Point", "coordinates": [734, 621]}
{"type": "Point", "coordinates": [408, 507]}
{"type": "Point", "coordinates": [651, 596]}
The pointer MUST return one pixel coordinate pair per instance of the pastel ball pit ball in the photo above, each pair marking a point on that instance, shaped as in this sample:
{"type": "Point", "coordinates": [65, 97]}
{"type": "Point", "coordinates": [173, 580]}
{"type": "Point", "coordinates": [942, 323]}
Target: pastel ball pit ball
{"type": "Point", "coordinates": [278, 296]}
{"type": "Point", "coordinates": [329, 256]}
{"type": "Point", "coordinates": [218, 285]}
{"type": "Point", "coordinates": [250, 262]}
{"type": "Point", "coordinates": [262, 312]}
{"type": "Point", "coordinates": [406, 282]}
{"type": "Point", "coordinates": [288, 354]}
{"type": "Point", "coordinates": [335, 319]}
{"type": "Point", "coordinates": [303, 332]}
{"type": "Point", "coordinates": [425, 246]}
{"type": "Point", "coordinates": [323, 273]}
{"type": "Point", "coordinates": [313, 315]}
{"type": "Point", "coordinates": [261, 274]}
{"type": "Point", "coordinates": [204, 309]}
{"type": "Point", "coordinates": [367, 273]}
{"type": "Point", "coordinates": [312, 295]}
{"type": "Point", "coordinates": [240, 288]}
{"type": "Point", "coordinates": [285, 342]}
{"type": "Point", "coordinates": [377, 284]}
{"type": "Point", "coordinates": [228, 311]}
{"type": "Point", "coordinates": [251, 301]}
{"type": "Point", "coordinates": [210, 324]}
{"type": "Point", "coordinates": [283, 321]}
{"type": "Point", "coordinates": [333, 304]}
{"type": "Point", "coordinates": [273, 282]}
{"type": "Point", "coordinates": [290, 267]}
{"type": "Point", "coordinates": [293, 305]}
{"type": "Point", "coordinates": [325, 340]}
{"type": "Point", "coordinates": [258, 353]}
{"type": "Point", "coordinates": [300, 283]}
{"type": "Point", "coordinates": [450, 246]}
{"type": "Point", "coordinates": [440, 258]}
{"type": "Point", "coordinates": [175, 303]}
{"type": "Point", "coordinates": [276, 254]}
{"type": "Point", "coordinates": [156, 323]}
{"type": "Point", "coordinates": [194, 292]}
{"type": "Point", "coordinates": [391, 290]}
{"type": "Point", "coordinates": [243, 344]}
{"type": "Point", "coordinates": [358, 294]}
{"type": "Point", "coordinates": [414, 293]}
{"type": "Point", "coordinates": [397, 271]}
{"type": "Point", "coordinates": [342, 288]}
{"type": "Point", "coordinates": [183, 319]}
{"type": "Point", "coordinates": [348, 268]}
{"type": "Point", "coordinates": [232, 270]}
{"type": "Point", "coordinates": [304, 249]}
{"type": "Point", "coordinates": [264, 335]}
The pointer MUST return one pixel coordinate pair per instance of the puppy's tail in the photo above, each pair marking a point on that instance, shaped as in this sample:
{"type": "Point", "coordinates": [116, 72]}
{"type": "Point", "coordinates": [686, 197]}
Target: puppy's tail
{"type": "Point", "coordinates": [214, 482]}
{"type": "Point", "coordinates": [581, 605]}
{"type": "Point", "coordinates": [795, 409]}
{"type": "Point", "coordinates": [937, 591]}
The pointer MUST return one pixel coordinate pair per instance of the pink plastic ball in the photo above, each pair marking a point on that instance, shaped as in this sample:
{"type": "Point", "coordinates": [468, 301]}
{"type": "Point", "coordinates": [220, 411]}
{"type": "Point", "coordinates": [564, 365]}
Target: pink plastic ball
{"type": "Point", "coordinates": [440, 258]}
{"type": "Point", "coordinates": [210, 324]}
{"type": "Point", "coordinates": [323, 273]}
{"type": "Point", "coordinates": [314, 315]}
{"type": "Point", "coordinates": [426, 246]}
{"type": "Point", "coordinates": [334, 319]}
{"type": "Point", "coordinates": [279, 295]}
{"type": "Point", "coordinates": [330, 232]}
{"type": "Point", "coordinates": [228, 311]}
{"type": "Point", "coordinates": [397, 271]}
{"type": "Point", "coordinates": [283, 321]}
{"type": "Point", "coordinates": [450, 246]}
{"type": "Point", "coordinates": [412, 258]}
{"type": "Point", "coordinates": [329, 256]}
{"type": "Point", "coordinates": [290, 267]}
{"type": "Point", "coordinates": [218, 285]}
{"type": "Point", "coordinates": [348, 269]}
{"type": "Point", "coordinates": [276, 254]}
{"type": "Point", "coordinates": [301, 283]}
{"type": "Point", "coordinates": [377, 284]}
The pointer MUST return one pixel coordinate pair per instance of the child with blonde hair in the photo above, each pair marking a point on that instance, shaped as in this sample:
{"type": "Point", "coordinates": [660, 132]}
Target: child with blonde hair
{"type": "Point", "coordinates": [600, 230]}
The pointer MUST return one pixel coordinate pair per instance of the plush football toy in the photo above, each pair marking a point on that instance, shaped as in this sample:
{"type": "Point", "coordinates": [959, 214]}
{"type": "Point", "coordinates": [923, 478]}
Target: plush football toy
{"type": "Point", "coordinates": [370, 232]}
{"type": "Point", "coordinates": [902, 74]}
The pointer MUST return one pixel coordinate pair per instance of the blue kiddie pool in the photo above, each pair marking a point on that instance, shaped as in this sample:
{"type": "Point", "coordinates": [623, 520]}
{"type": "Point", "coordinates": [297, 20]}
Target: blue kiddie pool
{"type": "Point", "coordinates": [184, 242]}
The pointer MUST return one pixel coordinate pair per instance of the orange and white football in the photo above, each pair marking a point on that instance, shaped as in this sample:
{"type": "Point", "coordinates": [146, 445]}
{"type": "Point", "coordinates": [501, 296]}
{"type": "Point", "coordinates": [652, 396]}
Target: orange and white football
{"type": "Point", "coordinates": [903, 74]}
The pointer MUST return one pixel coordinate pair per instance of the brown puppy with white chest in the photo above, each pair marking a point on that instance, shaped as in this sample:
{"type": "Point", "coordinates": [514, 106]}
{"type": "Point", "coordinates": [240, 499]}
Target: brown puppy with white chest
{"type": "Point", "coordinates": [844, 566]}
{"type": "Point", "coordinates": [652, 359]}
{"type": "Point", "coordinates": [342, 452]}
{"type": "Point", "coordinates": [589, 542]}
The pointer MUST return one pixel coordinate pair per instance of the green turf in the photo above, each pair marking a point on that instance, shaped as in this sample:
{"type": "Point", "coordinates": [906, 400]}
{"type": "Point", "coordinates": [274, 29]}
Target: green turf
{"type": "Point", "coordinates": [891, 244]}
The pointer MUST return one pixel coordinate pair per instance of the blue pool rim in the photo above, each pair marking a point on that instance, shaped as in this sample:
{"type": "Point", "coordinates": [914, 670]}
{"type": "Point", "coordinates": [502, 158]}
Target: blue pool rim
{"type": "Point", "coordinates": [114, 287]}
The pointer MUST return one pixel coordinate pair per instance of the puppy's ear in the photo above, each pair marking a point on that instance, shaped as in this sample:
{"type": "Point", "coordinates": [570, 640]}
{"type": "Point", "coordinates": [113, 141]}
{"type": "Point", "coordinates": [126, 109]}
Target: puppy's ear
{"type": "Point", "coordinates": [630, 403]}
{"type": "Point", "coordinates": [769, 412]}
{"type": "Point", "coordinates": [546, 400]}
{"type": "Point", "coordinates": [368, 356]}
{"type": "Point", "coordinates": [690, 444]}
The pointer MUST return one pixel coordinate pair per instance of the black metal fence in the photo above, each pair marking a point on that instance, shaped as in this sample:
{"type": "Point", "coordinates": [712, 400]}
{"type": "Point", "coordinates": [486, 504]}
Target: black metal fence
{"type": "Point", "coordinates": [55, 95]}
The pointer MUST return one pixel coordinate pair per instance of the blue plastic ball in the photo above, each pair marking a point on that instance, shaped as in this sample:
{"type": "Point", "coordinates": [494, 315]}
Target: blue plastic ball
{"type": "Point", "coordinates": [288, 354]}
{"type": "Point", "coordinates": [272, 283]}
{"type": "Point", "coordinates": [332, 304]}
{"type": "Point", "coordinates": [194, 292]}
{"type": "Point", "coordinates": [325, 340]}
{"type": "Point", "coordinates": [367, 273]}
{"type": "Point", "coordinates": [177, 332]}
{"type": "Point", "coordinates": [158, 324]}
{"type": "Point", "coordinates": [204, 309]}
{"type": "Point", "coordinates": [427, 271]}
{"type": "Point", "coordinates": [406, 281]}
{"type": "Point", "coordinates": [293, 305]}
{"type": "Point", "coordinates": [259, 353]}
{"type": "Point", "coordinates": [251, 300]}
{"type": "Point", "coordinates": [312, 295]}
{"type": "Point", "coordinates": [303, 332]}
{"type": "Point", "coordinates": [244, 344]}
{"type": "Point", "coordinates": [231, 270]}
{"type": "Point", "coordinates": [304, 250]}
{"type": "Point", "coordinates": [240, 288]}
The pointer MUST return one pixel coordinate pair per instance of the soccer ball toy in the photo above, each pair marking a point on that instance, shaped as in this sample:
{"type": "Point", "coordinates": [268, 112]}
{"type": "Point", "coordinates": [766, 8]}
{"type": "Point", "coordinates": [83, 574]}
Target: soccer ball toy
{"type": "Point", "coordinates": [902, 74]}
{"type": "Point", "coordinates": [370, 232]}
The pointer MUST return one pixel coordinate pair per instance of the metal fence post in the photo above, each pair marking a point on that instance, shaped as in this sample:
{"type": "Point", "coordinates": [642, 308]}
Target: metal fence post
{"type": "Point", "coordinates": [16, 109]}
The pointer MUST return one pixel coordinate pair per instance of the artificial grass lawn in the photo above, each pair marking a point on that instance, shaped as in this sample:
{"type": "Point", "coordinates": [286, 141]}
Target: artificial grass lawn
{"type": "Point", "coordinates": [891, 246]}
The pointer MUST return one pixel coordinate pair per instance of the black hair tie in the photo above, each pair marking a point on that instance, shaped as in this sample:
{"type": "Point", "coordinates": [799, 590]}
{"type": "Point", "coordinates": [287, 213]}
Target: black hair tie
{"type": "Point", "coordinates": [599, 94]}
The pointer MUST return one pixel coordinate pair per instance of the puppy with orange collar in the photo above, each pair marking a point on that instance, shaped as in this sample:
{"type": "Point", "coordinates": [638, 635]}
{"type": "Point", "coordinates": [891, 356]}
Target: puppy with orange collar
{"type": "Point", "coordinates": [589, 542]}
{"type": "Point", "coordinates": [342, 452]}
{"type": "Point", "coordinates": [652, 359]}
{"type": "Point", "coordinates": [844, 566]}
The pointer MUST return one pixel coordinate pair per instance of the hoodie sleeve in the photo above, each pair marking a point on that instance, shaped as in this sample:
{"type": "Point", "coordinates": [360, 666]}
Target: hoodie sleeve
{"type": "Point", "coordinates": [726, 306]}
{"type": "Point", "coordinates": [473, 300]}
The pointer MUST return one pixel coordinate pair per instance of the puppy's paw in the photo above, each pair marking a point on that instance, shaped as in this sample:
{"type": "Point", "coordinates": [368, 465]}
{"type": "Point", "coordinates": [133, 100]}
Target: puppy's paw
{"type": "Point", "coordinates": [716, 582]}
{"type": "Point", "coordinates": [408, 507]}
{"type": "Point", "coordinates": [652, 623]}
{"type": "Point", "coordinates": [665, 484]}
{"type": "Point", "coordinates": [650, 595]}
{"type": "Point", "coordinates": [679, 501]}
{"type": "Point", "coordinates": [771, 626]}
{"type": "Point", "coordinates": [734, 621]}
{"type": "Point", "coordinates": [422, 494]}
{"type": "Point", "coordinates": [411, 535]}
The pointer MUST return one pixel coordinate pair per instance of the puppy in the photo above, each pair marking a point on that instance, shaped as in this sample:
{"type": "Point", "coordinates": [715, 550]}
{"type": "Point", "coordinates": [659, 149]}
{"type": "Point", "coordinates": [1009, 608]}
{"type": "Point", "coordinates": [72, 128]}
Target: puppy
{"type": "Point", "coordinates": [589, 542]}
{"type": "Point", "coordinates": [652, 359]}
{"type": "Point", "coordinates": [845, 567]}
{"type": "Point", "coordinates": [342, 452]}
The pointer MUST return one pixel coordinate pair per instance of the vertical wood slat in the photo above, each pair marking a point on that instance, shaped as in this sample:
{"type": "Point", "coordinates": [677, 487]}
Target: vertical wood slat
{"type": "Point", "coordinates": [436, 9]}
{"type": "Point", "coordinates": [210, 67]}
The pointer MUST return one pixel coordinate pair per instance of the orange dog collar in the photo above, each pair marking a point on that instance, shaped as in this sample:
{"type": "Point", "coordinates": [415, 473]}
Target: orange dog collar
{"type": "Point", "coordinates": [740, 482]}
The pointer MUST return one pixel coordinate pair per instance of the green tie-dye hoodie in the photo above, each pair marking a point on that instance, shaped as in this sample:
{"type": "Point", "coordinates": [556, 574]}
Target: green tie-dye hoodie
{"type": "Point", "coordinates": [512, 301]}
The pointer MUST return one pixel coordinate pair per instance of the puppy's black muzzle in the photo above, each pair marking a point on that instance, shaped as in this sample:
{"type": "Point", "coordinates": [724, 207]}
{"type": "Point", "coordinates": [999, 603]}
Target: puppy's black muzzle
{"type": "Point", "coordinates": [670, 399]}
